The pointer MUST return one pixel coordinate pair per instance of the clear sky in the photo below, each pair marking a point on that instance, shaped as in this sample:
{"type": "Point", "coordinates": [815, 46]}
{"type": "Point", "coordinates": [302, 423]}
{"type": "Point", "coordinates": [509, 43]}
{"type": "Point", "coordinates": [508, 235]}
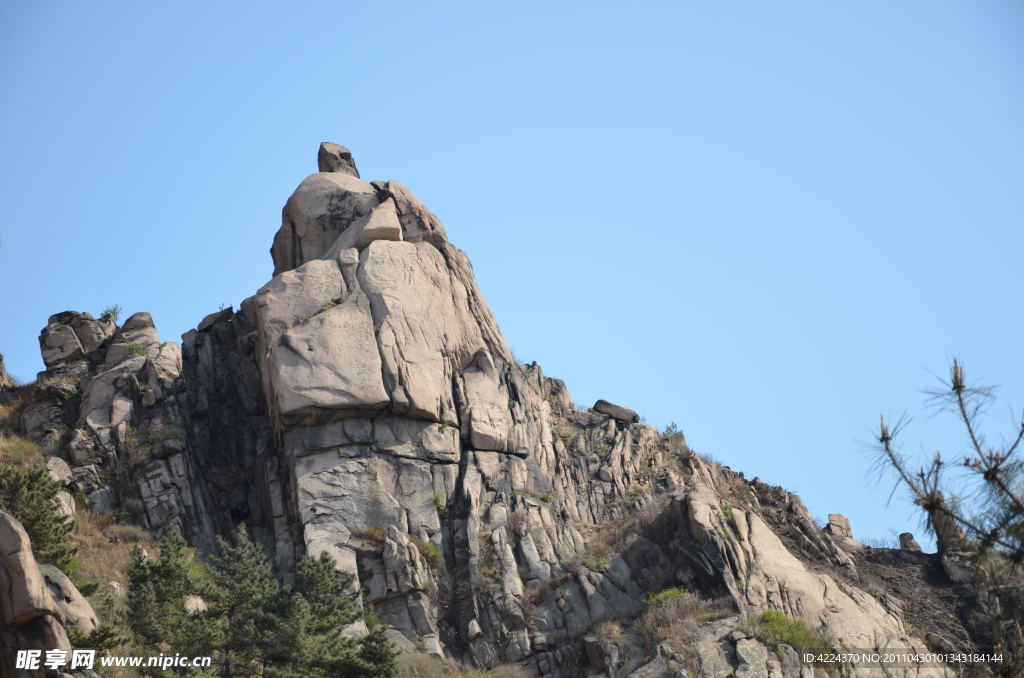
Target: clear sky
{"type": "Point", "coordinates": [762, 221]}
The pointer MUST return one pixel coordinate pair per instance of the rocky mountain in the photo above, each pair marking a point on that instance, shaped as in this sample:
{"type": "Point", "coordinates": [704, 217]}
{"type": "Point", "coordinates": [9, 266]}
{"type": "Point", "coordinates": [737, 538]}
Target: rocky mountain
{"type": "Point", "coordinates": [364, 402]}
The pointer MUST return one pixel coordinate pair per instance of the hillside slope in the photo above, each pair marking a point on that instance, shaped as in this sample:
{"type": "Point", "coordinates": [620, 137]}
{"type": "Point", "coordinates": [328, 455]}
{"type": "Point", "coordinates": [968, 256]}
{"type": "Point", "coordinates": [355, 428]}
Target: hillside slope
{"type": "Point", "coordinates": [365, 403]}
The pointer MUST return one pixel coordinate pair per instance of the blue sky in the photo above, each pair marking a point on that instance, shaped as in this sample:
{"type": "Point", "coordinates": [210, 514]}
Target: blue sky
{"type": "Point", "coordinates": [762, 221]}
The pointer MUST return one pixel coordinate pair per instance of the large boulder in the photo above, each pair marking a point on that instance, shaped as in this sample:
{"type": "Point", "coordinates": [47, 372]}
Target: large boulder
{"type": "Point", "coordinates": [76, 609]}
{"type": "Point", "coordinates": [418, 223]}
{"type": "Point", "coordinates": [71, 335]}
{"type": "Point", "coordinates": [335, 158]}
{"type": "Point", "coordinates": [616, 411]}
{"type": "Point", "coordinates": [319, 211]}
{"type": "Point", "coordinates": [26, 597]}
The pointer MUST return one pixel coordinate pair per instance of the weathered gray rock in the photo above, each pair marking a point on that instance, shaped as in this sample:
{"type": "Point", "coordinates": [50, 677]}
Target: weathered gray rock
{"type": "Point", "coordinates": [940, 643]}
{"type": "Point", "coordinates": [138, 329]}
{"type": "Point", "coordinates": [80, 447]}
{"type": "Point", "coordinates": [404, 567]}
{"type": "Point", "coordinates": [65, 505]}
{"type": "Point", "coordinates": [839, 526]}
{"type": "Point", "coordinates": [656, 668]}
{"type": "Point", "coordinates": [87, 478]}
{"type": "Point", "coordinates": [368, 386]}
{"type": "Point", "coordinates": [76, 609]}
{"type": "Point", "coordinates": [957, 566]}
{"type": "Point", "coordinates": [319, 210]}
{"type": "Point", "coordinates": [428, 331]}
{"type": "Point", "coordinates": [60, 471]}
{"type": "Point", "coordinates": [43, 418]}
{"type": "Point", "coordinates": [99, 391]}
{"type": "Point", "coordinates": [294, 296]}
{"type": "Point", "coordinates": [330, 361]}
{"type": "Point", "coordinates": [616, 411]}
{"type": "Point", "coordinates": [59, 343]}
{"type": "Point", "coordinates": [380, 224]}
{"type": "Point", "coordinates": [335, 158]}
{"type": "Point", "coordinates": [753, 659]}
{"type": "Point", "coordinates": [418, 223]}
{"type": "Point", "coordinates": [748, 551]}
{"type": "Point", "coordinates": [908, 543]}
{"type": "Point", "coordinates": [103, 501]}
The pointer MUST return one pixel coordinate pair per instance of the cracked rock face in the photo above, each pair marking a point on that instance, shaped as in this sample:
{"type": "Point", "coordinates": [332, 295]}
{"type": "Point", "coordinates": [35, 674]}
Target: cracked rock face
{"type": "Point", "coordinates": [30, 617]}
{"type": "Point", "coordinates": [364, 403]}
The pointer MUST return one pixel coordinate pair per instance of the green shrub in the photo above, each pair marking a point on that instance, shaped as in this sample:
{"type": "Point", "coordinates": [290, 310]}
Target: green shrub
{"type": "Point", "coordinates": [441, 505]}
{"type": "Point", "coordinates": [775, 628]}
{"type": "Point", "coordinates": [674, 615]}
{"type": "Point", "coordinates": [30, 495]}
{"type": "Point", "coordinates": [113, 311]}
{"type": "Point", "coordinates": [371, 620]}
{"type": "Point", "coordinates": [429, 551]}
{"type": "Point", "coordinates": [566, 433]}
{"type": "Point", "coordinates": [599, 558]}
{"type": "Point", "coordinates": [137, 349]}
{"type": "Point", "coordinates": [103, 638]}
{"type": "Point", "coordinates": [673, 596]}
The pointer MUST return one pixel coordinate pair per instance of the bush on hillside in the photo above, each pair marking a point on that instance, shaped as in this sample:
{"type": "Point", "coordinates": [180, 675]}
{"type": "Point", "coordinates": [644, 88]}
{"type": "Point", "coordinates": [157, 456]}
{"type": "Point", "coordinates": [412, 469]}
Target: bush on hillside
{"type": "Point", "coordinates": [29, 494]}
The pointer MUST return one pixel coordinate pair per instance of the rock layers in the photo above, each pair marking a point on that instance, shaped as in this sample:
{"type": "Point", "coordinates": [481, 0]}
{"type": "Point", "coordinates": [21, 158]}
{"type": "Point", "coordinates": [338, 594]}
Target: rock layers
{"type": "Point", "coordinates": [364, 402]}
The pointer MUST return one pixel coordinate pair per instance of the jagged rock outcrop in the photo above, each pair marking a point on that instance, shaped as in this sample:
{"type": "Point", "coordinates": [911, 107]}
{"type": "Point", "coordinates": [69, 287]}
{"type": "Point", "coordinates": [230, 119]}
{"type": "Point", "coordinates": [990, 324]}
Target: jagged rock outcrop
{"type": "Point", "coordinates": [111, 393]}
{"type": "Point", "coordinates": [364, 403]}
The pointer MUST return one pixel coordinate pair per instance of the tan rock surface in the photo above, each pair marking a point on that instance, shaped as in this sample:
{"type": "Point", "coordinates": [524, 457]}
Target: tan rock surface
{"type": "Point", "coordinates": [319, 210]}
{"type": "Point", "coordinates": [26, 597]}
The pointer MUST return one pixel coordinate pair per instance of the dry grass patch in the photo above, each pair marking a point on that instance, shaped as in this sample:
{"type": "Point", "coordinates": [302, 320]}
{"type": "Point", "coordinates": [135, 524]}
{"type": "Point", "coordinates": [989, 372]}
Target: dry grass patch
{"type": "Point", "coordinates": [425, 666]}
{"type": "Point", "coordinates": [19, 451]}
{"type": "Point", "coordinates": [674, 615]}
{"type": "Point", "coordinates": [373, 535]}
{"type": "Point", "coordinates": [15, 449]}
{"type": "Point", "coordinates": [609, 633]}
{"type": "Point", "coordinates": [105, 548]}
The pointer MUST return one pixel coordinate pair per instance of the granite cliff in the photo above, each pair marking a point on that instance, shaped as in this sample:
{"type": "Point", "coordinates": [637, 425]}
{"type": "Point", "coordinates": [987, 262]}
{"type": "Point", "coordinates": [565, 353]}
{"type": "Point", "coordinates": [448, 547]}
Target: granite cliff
{"type": "Point", "coordinates": [364, 402]}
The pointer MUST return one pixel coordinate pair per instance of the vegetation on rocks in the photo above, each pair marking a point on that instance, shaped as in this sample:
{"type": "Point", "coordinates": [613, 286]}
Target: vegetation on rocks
{"type": "Point", "coordinates": [975, 507]}
{"type": "Point", "coordinates": [774, 628]}
{"type": "Point", "coordinates": [29, 495]}
{"type": "Point", "coordinates": [248, 622]}
{"type": "Point", "coordinates": [114, 311]}
{"type": "Point", "coordinates": [674, 615]}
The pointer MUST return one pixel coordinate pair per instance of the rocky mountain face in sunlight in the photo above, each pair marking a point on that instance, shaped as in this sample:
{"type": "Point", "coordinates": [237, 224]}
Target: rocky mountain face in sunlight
{"type": "Point", "coordinates": [364, 402]}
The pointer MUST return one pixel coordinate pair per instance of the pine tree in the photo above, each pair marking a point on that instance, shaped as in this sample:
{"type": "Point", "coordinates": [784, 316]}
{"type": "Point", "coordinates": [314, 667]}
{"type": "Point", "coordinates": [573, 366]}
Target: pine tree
{"type": "Point", "coordinates": [241, 596]}
{"type": "Point", "coordinates": [252, 625]}
{"type": "Point", "coordinates": [983, 523]}
{"type": "Point", "coordinates": [379, 652]}
{"type": "Point", "coordinates": [30, 495]}
{"type": "Point", "coordinates": [312, 642]}
{"type": "Point", "coordinates": [157, 592]}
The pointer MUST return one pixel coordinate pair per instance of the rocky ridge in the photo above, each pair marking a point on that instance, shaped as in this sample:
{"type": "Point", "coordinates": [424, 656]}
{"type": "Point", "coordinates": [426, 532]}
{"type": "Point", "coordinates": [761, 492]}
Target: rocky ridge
{"type": "Point", "coordinates": [365, 403]}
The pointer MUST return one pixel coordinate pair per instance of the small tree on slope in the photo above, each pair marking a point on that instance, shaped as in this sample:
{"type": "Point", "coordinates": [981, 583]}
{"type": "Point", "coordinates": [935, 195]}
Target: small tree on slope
{"type": "Point", "coordinates": [984, 524]}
